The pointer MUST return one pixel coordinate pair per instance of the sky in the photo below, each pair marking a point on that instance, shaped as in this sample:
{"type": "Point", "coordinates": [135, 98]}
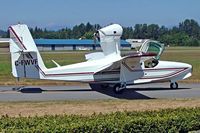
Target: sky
{"type": "Point", "coordinates": [55, 14]}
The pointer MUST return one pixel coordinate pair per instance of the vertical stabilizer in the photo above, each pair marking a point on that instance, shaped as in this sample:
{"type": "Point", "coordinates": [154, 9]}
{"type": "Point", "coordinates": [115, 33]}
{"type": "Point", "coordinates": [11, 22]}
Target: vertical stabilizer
{"type": "Point", "coordinates": [25, 57]}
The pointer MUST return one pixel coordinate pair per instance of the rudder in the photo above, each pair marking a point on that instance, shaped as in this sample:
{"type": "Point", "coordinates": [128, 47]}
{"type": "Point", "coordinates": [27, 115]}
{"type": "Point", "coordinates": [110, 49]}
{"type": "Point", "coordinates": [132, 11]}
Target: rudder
{"type": "Point", "coordinates": [25, 57]}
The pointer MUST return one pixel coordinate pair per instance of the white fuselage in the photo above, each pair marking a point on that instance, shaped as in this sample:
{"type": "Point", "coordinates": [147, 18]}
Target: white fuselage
{"type": "Point", "coordinates": [166, 71]}
{"type": "Point", "coordinates": [85, 72]}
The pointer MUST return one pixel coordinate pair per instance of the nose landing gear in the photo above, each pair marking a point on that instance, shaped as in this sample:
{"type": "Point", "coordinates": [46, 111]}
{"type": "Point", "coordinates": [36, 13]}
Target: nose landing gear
{"type": "Point", "coordinates": [174, 85]}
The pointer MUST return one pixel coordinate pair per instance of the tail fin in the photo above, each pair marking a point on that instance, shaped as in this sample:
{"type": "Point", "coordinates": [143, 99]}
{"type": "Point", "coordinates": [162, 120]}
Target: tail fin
{"type": "Point", "coordinates": [25, 57]}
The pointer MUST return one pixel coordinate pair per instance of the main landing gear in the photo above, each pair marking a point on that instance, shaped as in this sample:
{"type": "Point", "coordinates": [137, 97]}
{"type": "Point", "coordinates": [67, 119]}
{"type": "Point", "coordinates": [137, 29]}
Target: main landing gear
{"type": "Point", "coordinates": [117, 88]}
{"type": "Point", "coordinates": [174, 85]}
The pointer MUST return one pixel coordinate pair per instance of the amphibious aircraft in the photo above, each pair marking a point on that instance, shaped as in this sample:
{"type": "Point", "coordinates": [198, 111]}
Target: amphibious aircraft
{"type": "Point", "coordinates": [108, 68]}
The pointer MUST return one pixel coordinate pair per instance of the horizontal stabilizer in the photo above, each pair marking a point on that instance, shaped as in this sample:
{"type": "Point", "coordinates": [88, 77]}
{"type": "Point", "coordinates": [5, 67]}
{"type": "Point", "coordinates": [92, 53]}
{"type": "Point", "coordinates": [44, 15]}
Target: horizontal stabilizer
{"type": "Point", "coordinates": [55, 63]}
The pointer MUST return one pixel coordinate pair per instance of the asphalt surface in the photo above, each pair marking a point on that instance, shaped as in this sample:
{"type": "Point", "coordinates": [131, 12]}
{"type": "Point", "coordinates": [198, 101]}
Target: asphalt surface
{"type": "Point", "coordinates": [83, 92]}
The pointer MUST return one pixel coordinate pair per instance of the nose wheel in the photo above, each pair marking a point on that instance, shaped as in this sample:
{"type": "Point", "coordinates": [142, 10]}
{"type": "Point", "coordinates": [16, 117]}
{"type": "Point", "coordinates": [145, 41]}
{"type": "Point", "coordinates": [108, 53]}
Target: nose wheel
{"type": "Point", "coordinates": [174, 85]}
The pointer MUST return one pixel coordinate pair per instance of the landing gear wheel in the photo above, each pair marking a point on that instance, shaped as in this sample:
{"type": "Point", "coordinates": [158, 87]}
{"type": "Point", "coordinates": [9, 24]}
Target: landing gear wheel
{"type": "Point", "coordinates": [118, 89]}
{"type": "Point", "coordinates": [174, 85]}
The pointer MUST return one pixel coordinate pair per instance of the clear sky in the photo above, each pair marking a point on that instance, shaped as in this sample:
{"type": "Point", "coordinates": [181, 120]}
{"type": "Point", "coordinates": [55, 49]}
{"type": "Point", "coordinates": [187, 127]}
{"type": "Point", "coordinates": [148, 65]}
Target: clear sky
{"type": "Point", "coordinates": [54, 14]}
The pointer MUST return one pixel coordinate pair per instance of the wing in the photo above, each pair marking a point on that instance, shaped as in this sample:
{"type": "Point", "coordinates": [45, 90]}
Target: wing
{"type": "Point", "coordinates": [126, 69]}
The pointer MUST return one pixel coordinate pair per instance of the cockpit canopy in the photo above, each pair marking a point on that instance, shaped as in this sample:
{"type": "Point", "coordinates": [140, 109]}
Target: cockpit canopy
{"type": "Point", "coordinates": [147, 46]}
{"type": "Point", "coordinates": [152, 46]}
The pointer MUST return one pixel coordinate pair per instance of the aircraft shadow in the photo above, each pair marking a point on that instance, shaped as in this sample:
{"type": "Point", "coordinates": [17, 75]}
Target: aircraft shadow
{"type": "Point", "coordinates": [129, 93]}
{"type": "Point", "coordinates": [31, 90]}
{"type": "Point", "coordinates": [39, 90]}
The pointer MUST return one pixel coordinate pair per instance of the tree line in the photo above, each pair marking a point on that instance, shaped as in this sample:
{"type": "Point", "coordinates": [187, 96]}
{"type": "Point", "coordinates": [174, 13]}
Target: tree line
{"type": "Point", "coordinates": [187, 33]}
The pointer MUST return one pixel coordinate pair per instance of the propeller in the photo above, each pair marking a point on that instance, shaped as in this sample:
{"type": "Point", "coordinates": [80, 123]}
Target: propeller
{"type": "Point", "coordinates": [96, 37]}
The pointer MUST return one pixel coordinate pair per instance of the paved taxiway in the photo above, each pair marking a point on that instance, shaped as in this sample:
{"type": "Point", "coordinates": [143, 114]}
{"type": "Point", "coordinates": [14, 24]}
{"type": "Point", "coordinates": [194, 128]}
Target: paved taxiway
{"type": "Point", "coordinates": [83, 92]}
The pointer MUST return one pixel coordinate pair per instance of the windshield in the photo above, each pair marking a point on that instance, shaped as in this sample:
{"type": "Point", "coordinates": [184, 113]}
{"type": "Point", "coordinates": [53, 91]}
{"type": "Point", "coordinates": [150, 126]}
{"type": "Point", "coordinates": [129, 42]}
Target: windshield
{"type": "Point", "coordinates": [151, 46]}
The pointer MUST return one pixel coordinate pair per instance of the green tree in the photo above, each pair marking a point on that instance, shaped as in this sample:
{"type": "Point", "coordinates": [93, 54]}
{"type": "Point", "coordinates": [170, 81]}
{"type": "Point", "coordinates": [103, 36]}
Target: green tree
{"type": "Point", "coordinates": [190, 27]}
{"type": "Point", "coordinates": [153, 31]}
{"type": "Point", "coordinates": [186, 34]}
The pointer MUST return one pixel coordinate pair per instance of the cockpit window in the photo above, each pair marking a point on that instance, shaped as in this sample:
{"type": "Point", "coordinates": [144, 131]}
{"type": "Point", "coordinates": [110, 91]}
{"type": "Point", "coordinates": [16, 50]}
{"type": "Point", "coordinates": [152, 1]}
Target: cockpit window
{"type": "Point", "coordinates": [153, 47]}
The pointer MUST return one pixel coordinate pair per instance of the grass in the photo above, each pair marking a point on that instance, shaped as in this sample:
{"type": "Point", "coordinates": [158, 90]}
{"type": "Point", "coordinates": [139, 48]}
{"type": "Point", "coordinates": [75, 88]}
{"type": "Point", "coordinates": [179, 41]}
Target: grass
{"type": "Point", "coordinates": [188, 55]}
{"type": "Point", "coordinates": [183, 54]}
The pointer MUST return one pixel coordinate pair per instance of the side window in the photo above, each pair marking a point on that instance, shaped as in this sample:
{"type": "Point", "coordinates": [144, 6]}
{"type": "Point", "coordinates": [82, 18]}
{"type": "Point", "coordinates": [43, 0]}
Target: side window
{"type": "Point", "coordinates": [150, 63]}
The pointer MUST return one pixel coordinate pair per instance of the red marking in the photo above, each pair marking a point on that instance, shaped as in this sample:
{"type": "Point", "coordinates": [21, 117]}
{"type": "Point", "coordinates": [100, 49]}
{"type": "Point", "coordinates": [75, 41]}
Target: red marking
{"type": "Point", "coordinates": [149, 69]}
{"type": "Point", "coordinates": [168, 75]}
{"type": "Point", "coordinates": [152, 69]}
{"type": "Point", "coordinates": [40, 70]}
{"type": "Point", "coordinates": [141, 55]}
{"type": "Point", "coordinates": [12, 30]}
{"type": "Point", "coordinates": [61, 74]}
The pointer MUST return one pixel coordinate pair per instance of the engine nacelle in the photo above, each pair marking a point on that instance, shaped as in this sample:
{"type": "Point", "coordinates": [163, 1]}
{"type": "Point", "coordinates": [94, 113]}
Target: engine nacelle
{"type": "Point", "coordinates": [109, 38]}
{"type": "Point", "coordinates": [112, 30]}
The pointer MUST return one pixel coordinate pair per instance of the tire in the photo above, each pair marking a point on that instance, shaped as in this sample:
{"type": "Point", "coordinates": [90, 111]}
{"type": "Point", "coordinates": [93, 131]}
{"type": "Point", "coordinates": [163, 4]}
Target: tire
{"type": "Point", "coordinates": [174, 85]}
{"type": "Point", "coordinates": [117, 89]}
